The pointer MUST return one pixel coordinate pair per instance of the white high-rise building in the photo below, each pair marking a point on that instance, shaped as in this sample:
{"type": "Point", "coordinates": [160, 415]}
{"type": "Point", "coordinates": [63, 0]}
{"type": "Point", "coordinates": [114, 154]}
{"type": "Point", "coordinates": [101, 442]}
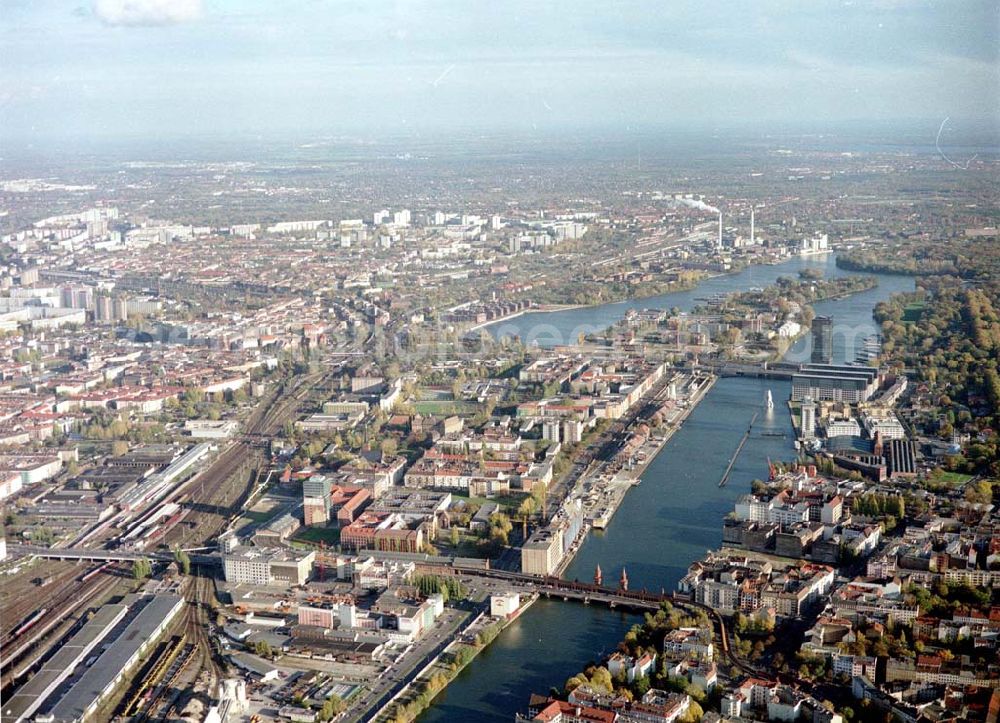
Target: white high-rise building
{"type": "Point", "coordinates": [818, 244]}
{"type": "Point", "coordinates": [348, 615]}
{"type": "Point", "coordinates": [401, 218]}
{"type": "Point", "coordinates": [808, 418]}
{"type": "Point", "coordinates": [550, 430]}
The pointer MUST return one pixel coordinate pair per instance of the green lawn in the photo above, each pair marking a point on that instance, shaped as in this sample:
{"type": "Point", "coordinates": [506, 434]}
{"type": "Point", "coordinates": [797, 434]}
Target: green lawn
{"type": "Point", "coordinates": [955, 479]}
{"type": "Point", "coordinates": [467, 546]}
{"type": "Point", "coordinates": [449, 406]}
{"type": "Point", "coordinates": [315, 535]}
{"type": "Point", "coordinates": [509, 501]}
{"type": "Point", "coordinates": [795, 410]}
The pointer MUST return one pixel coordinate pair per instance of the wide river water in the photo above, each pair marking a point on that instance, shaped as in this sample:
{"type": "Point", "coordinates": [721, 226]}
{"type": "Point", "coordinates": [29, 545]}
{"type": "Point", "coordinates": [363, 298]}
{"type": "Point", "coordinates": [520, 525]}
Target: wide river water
{"type": "Point", "coordinates": [669, 520]}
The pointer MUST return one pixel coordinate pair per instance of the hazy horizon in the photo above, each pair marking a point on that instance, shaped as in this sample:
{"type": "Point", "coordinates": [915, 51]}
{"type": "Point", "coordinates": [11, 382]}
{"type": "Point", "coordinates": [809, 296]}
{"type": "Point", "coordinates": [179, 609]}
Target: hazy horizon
{"type": "Point", "coordinates": [116, 70]}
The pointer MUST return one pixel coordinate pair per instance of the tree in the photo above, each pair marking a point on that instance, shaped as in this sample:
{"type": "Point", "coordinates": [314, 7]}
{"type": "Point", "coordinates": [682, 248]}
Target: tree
{"type": "Point", "coordinates": [263, 649]}
{"type": "Point", "coordinates": [601, 679]}
{"type": "Point", "coordinates": [141, 569]}
{"type": "Point", "coordinates": [501, 523]}
{"type": "Point", "coordinates": [979, 493]}
{"type": "Point", "coordinates": [332, 707]}
{"type": "Point", "coordinates": [454, 537]}
{"type": "Point", "coordinates": [641, 686]}
{"type": "Point", "coordinates": [183, 561]}
{"type": "Point", "coordinates": [694, 713]}
{"type": "Point", "coordinates": [119, 448]}
{"type": "Point", "coordinates": [389, 446]}
{"type": "Point", "coordinates": [696, 692]}
{"type": "Point", "coordinates": [575, 682]}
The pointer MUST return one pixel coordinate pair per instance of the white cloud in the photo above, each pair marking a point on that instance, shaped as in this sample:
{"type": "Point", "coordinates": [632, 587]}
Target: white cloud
{"type": "Point", "coordinates": [146, 12]}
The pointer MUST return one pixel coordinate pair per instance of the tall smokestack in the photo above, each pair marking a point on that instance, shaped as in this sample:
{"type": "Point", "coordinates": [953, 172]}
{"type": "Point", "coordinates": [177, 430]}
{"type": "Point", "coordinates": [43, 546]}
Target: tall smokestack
{"type": "Point", "coordinates": [751, 226]}
{"type": "Point", "coordinates": [720, 229]}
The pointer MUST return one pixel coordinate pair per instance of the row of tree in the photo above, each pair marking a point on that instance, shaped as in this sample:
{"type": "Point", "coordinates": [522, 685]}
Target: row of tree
{"type": "Point", "coordinates": [450, 588]}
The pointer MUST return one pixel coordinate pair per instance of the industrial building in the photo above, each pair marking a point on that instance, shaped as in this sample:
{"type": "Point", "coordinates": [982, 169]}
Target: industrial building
{"type": "Point", "coordinates": [543, 551]}
{"type": "Point", "coordinates": [835, 382]}
{"type": "Point", "coordinates": [267, 566]}
{"type": "Point", "coordinates": [902, 457]}
{"type": "Point", "coordinates": [116, 661]}
{"type": "Point", "coordinates": [30, 696]}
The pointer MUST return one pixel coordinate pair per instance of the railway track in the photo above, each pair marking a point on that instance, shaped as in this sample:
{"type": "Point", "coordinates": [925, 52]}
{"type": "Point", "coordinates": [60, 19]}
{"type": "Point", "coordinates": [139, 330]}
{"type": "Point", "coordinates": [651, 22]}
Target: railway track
{"type": "Point", "coordinates": [286, 402]}
{"type": "Point", "coordinates": [181, 665]}
{"type": "Point", "coordinates": [158, 672]}
{"type": "Point", "coordinates": [203, 591]}
{"type": "Point", "coordinates": [160, 705]}
{"type": "Point", "coordinates": [52, 599]}
{"type": "Point", "coordinates": [218, 495]}
{"type": "Point", "coordinates": [32, 599]}
{"type": "Point", "coordinates": [199, 656]}
{"type": "Point", "coordinates": [13, 661]}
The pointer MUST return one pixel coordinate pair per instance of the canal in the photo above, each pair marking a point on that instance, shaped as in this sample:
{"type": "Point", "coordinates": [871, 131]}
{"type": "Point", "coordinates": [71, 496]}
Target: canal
{"type": "Point", "coordinates": [673, 517]}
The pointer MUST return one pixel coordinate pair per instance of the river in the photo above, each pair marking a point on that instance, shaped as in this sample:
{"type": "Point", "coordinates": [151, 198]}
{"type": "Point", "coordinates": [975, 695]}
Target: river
{"type": "Point", "coordinates": [669, 520]}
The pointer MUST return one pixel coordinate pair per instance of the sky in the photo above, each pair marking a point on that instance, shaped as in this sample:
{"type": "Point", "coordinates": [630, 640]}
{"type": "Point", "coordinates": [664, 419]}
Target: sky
{"type": "Point", "coordinates": [148, 68]}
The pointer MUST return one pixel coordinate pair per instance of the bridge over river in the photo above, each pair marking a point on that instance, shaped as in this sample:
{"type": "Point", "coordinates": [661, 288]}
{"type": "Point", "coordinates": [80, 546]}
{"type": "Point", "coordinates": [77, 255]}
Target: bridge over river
{"type": "Point", "coordinates": [637, 600]}
{"type": "Point", "coordinates": [762, 370]}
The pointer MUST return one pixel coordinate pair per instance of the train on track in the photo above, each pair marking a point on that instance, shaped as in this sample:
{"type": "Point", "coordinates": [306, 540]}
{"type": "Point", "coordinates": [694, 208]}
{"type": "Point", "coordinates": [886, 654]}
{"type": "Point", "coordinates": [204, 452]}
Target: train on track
{"type": "Point", "coordinates": [28, 623]}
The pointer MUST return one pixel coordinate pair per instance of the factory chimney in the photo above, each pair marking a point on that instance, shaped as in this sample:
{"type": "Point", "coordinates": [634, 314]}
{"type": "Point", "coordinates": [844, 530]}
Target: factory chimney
{"type": "Point", "coordinates": [751, 227]}
{"type": "Point", "coordinates": [720, 229]}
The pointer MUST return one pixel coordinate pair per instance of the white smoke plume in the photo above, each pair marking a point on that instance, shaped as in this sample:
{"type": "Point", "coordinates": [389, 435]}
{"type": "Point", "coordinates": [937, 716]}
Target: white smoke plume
{"type": "Point", "coordinates": [700, 205]}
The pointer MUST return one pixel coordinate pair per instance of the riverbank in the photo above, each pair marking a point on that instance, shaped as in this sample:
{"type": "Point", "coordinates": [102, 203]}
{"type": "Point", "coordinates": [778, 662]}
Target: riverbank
{"type": "Point", "coordinates": [678, 287]}
{"type": "Point", "coordinates": [799, 294]}
{"type": "Point", "coordinates": [674, 423]}
{"type": "Point", "coordinates": [618, 486]}
{"type": "Point", "coordinates": [666, 522]}
{"type": "Point", "coordinates": [564, 327]}
{"type": "Point", "coordinates": [435, 676]}
{"type": "Point", "coordinates": [540, 309]}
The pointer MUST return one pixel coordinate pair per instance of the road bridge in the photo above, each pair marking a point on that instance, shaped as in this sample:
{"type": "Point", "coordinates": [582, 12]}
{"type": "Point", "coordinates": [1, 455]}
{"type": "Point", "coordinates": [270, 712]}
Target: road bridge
{"type": "Point", "coordinates": [82, 553]}
{"type": "Point", "coordinates": [763, 370]}
{"type": "Point", "coordinates": [638, 600]}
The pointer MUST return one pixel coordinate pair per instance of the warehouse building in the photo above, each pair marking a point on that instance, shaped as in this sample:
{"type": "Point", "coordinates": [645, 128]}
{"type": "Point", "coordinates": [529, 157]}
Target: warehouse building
{"type": "Point", "coordinates": [116, 662]}
{"type": "Point", "coordinates": [835, 382]}
{"type": "Point", "coordinates": [30, 696]}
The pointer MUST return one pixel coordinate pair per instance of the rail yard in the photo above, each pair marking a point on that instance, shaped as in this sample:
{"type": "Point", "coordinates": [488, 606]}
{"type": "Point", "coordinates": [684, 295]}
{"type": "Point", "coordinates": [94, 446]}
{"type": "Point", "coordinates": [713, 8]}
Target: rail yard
{"type": "Point", "coordinates": [45, 602]}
